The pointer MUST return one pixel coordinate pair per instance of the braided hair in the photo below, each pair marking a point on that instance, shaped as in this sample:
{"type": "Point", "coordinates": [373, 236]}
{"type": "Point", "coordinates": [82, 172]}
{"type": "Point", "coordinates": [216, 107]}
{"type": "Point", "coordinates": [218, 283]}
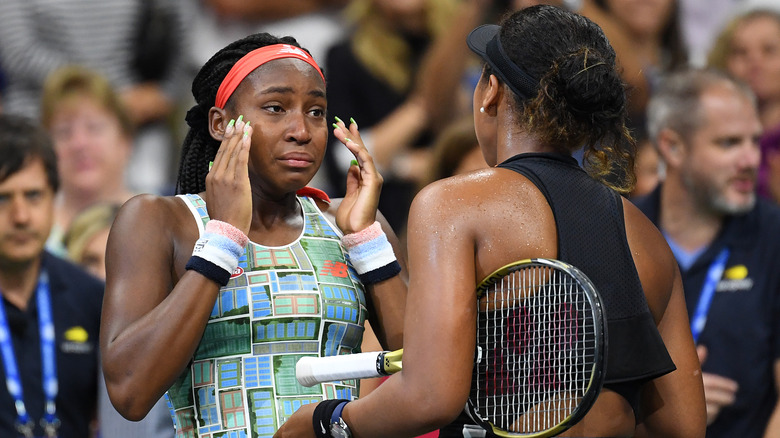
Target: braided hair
{"type": "Point", "coordinates": [199, 147]}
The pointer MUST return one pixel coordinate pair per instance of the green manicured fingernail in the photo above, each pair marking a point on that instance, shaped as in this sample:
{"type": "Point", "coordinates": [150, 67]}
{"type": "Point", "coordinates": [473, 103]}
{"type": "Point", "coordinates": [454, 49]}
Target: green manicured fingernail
{"type": "Point", "coordinates": [338, 119]}
{"type": "Point", "coordinates": [336, 126]}
{"type": "Point", "coordinates": [232, 122]}
{"type": "Point", "coordinates": [352, 120]}
{"type": "Point", "coordinates": [240, 118]}
{"type": "Point", "coordinates": [353, 163]}
{"type": "Point", "coordinates": [348, 140]}
{"type": "Point", "coordinates": [247, 125]}
{"type": "Point", "coordinates": [211, 163]}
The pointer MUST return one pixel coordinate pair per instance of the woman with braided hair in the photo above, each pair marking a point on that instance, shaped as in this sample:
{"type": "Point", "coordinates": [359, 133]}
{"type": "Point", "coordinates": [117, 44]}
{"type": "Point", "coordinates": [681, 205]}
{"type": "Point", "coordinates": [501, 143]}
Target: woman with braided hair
{"type": "Point", "coordinates": [214, 294]}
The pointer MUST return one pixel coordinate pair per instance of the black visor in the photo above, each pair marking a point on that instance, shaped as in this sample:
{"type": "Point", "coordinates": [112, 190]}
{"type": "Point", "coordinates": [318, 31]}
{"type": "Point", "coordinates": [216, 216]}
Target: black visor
{"type": "Point", "coordinates": [485, 42]}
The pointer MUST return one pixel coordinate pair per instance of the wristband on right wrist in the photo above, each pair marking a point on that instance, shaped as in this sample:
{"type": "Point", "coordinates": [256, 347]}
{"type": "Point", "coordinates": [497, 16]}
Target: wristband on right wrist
{"type": "Point", "coordinates": [371, 254]}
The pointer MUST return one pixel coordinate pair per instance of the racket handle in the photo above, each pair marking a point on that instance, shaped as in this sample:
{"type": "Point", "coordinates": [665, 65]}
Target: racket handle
{"type": "Point", "coordinates": [311, 370]}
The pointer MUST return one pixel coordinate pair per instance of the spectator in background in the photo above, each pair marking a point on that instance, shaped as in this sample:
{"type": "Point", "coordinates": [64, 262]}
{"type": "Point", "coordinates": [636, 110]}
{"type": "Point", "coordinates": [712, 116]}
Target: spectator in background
{"type": "Point", "coordinates": [450, 63]}
{"type": "Point", "coordinates": [85, 242]}
{"type": "Point", "coordinates": [701, 20]}
{"type": "Point", "coordinates": [372, 77]}
{"type": "Point", "coordinates": [93, 139]}
{"type": "Point", "coordinates": [219, 22]}
{"type": "Point", "coordinates": [137, 44]}
{"type": "Point", "coordinates": [749, 49]}
{"type": "Point", "coordinates": [652, 44]}
{"type": "Point", "coordinates": [55, 379]}
{"type": "Point", "coordinates": [646, 36]}
{"type": "Point", "coordinates": [706, 128]}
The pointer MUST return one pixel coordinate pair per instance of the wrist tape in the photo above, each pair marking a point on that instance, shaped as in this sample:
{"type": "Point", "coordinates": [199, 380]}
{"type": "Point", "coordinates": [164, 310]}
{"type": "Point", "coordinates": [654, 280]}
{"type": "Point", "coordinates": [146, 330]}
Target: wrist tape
{"type": "Point", "coordinates": [216, 253]}
{"type": "Point", "coordinates": [371, 254]}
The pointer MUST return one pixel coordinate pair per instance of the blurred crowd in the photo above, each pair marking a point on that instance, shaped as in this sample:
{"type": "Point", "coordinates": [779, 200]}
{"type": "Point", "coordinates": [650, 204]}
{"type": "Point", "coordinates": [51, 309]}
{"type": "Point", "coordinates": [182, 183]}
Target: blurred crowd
{"type": "Point", "coordinates": [400, 69]}
{"type": "Point", "coordinates": [109, 81]}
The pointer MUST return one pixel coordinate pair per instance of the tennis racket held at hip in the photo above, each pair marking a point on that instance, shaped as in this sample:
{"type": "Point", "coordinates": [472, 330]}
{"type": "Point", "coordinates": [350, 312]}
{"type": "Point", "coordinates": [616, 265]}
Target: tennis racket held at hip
{"type": "Point", "coordinates": [311, 370]}
{"type": "Point", "coordinates": [540, 356]}
{"type": "Point", "coordinates": [541, 349]}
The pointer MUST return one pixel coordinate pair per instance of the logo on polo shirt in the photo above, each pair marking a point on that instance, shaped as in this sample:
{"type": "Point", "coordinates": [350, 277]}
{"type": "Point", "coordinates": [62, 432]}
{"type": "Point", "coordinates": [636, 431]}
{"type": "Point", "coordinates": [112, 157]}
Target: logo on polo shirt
{"type": "Point", "coordinates": [735, 279]}
{"type": "Point", "coordinates": [76, 340]}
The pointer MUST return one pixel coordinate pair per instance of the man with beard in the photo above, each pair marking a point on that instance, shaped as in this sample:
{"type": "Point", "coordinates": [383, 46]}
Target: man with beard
{"type": "Point", "coordinates": [706, 128]}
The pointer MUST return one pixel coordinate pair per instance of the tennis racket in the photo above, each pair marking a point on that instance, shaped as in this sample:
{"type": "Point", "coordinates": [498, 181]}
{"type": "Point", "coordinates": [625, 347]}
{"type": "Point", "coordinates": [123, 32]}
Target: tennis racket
{"type": "Point", "coordinates": [540, 356]}
{"type": "Point", "coordinates": [311, 370]}
{"type": "Point", "coordinates": [541, 349]}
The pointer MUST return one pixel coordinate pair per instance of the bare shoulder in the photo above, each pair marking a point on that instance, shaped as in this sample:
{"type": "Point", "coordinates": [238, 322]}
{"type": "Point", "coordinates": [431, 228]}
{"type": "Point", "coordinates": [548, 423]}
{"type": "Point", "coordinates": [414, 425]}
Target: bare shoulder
{"type": "Point", "coordinates": [479, 207]}
{"type": "Point", "coordinates": [495, 215]}
{"type": "Point", "coordinates": [451, 196]}
{"type": "Point", "coordinates": [654, 260]}
{"type": "Point", "coordinates": [162, 211]}
{"type": "Point", "coordinates": [481, 193]}
{"type": "Point", "coordinates": [156, 220]}
{"type": "Point", "coordinates": [152, 234]}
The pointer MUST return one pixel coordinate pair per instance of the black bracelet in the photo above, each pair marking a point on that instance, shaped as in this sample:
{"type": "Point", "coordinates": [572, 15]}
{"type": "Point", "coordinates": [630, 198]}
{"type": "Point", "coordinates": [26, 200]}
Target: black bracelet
{"type": "Point", "coordinates": [322, 416]}
{"type": "Point", "coordinates": [380, 274]}
{"type": "Point", "coordinates": [209, 270]}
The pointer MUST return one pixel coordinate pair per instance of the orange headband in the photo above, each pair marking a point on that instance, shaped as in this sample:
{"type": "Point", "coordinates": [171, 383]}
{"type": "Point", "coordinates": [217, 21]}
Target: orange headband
{"type": "Point", "coordinates": [255, 59]}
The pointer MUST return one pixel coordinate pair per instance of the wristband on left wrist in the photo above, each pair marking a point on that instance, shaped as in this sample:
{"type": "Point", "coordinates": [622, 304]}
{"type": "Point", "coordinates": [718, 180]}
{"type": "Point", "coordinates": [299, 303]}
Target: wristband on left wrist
{"type": "Point", "coordinates": [371, 254]}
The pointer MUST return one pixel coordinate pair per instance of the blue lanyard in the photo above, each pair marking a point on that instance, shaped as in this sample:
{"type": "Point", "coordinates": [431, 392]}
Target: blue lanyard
{"type": "Point", "coordinates": [714, 274]}
{"type": "Point", "coordinates": [14, 383]}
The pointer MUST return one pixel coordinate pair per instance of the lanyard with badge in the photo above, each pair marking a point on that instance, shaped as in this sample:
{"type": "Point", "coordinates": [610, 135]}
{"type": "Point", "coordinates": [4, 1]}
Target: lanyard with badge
{"type": "Point", "coordinates": [714, 273]}
{"type": "Point", "coordinates": [24, 424]}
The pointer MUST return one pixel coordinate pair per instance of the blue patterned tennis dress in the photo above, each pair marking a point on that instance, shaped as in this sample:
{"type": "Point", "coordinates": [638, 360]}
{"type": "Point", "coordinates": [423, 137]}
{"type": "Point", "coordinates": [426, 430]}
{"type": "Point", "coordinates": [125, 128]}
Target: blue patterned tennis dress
{"type": "Point", "coordinates": [282, 303]}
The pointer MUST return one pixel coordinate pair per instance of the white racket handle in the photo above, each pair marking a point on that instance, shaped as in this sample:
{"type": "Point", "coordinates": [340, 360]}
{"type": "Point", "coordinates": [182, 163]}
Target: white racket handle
{"type": "Point", "coordinates": [311, 370]}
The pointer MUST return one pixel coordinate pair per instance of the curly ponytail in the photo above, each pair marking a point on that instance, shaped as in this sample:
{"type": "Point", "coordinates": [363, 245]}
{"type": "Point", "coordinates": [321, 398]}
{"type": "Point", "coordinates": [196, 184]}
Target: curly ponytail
{"type": "Point", "coordinates": [581, 100]}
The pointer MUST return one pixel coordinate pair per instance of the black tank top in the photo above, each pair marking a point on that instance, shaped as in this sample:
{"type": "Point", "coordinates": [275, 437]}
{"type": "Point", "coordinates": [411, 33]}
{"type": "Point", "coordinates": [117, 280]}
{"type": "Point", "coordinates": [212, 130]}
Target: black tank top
{"type": "Point", "coordinates": [592, 236]}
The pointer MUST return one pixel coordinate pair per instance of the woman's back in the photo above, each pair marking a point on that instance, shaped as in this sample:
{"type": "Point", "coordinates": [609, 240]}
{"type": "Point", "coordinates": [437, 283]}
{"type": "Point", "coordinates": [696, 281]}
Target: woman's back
{"type": "Point", "coordinates": [511, 219]}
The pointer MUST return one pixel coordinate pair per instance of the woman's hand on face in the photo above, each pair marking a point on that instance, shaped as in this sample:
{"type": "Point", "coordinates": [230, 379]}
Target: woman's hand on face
{"type": "Point", "coordinates": [299, 425]}
{"type": "Point", "coordinates": [229, 195]}
{"type": "Point", "coordinates": [364, 183]}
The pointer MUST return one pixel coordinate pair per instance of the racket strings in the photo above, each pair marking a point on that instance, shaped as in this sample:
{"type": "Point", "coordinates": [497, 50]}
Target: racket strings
{"type": "Point", "coordinates": [536, 361]}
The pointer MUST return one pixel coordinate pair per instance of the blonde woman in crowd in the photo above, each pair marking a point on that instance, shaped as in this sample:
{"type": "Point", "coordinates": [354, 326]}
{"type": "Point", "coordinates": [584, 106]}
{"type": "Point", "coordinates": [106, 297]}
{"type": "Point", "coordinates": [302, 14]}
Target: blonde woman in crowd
{"type": "Point", "coordinates": [93, 139]}
{"type": "Point", "coordinates": [372, 76]}
{"type": "Point", "coordinates": [749, 49]}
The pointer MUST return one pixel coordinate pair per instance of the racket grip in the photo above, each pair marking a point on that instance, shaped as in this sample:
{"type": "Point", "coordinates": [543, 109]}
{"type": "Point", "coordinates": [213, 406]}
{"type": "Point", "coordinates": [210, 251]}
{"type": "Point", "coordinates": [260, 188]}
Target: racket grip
{"type": "Point", "coordinates": [311, 370]}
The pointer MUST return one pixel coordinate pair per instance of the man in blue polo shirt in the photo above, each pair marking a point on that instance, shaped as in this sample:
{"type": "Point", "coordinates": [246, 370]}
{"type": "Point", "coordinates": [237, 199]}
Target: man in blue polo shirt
{"type": "Point", "coordinates": [726, 241]}
{"type": "Point", "coordinates": [50, 310]}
